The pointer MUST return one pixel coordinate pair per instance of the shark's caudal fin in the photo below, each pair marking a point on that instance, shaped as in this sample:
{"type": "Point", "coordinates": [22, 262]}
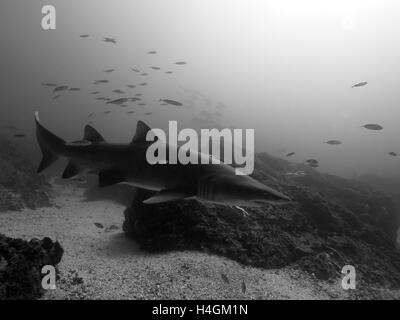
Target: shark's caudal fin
{"type": "Point", "coordinates": [49, 144]}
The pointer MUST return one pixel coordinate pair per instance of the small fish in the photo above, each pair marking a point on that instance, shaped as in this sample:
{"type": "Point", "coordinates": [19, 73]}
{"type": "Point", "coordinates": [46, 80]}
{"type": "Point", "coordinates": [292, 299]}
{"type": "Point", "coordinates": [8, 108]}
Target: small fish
{"type": "Point", "coordinates": [49, 84]}
{"type": "Point", "coordinates": [19, 135]}
{"type": "Point", "coordinates": [394, 154]}
{"type": "Point", "coordinates": [334, 142]}
{"type": "Point", "coordinates": [118, 91]}
{"type": "Point", "coordinates": [372, 126]}
{"type": "Point", "coordinates": [155, 68]}
{"type": "Point", "coordinates": [74, 89]}
{"type": "Point", "coordinates": [172, 102]}
{"type": "Point", "coordinates": [136, 70]}
{"type": "Point", "coordinates": [168, 72]}
{"type": "Point", "coordinates": [99, 225]}
{"type": "Point", "coordinates": [141, 104]}
{"type": "Point", "coordinates": [152, 52]}
{"type": "Point", "coordinates": [148, 113]}
{"type": "Point", "coordinates": [112, 40]}
{"type": "Point", "coordinates": [163, 104]}
{"type": "Point", "coordinates": [100, 81]}
{"type": "Point", "coordinates": [60, 88]}
{"type": "Point", "coordinates": [143, 84]}
{"type": "Point", "coordinates": [84, 35]}
{"type": "Point", "coordinates": [138, 94]}
{"type": "Point", "coordinates": [107, 112]}
{"type": "Point", "coordinates": [243, 287]}
{"type": "Point", "coordinates": [95, 92]}
{"type": "Point", "coordinates": [118, 101]}
{"type": "Point", "coordinates": [134, 99]}
{"type": "Point", "coordinates": [180, 62]}
{"type": "Point", "coordinates": [144, 74]}
{"type": "Point", "coordinates": [56, 97]}
{"type": "Point", "coordinates": [108, 70]}
{"type": "Point", "coordinates": [290, 154]}
{"type": "Point", "coordinates": [224, 277]}
{"type": "Point", "coordinates": [130, 112]}
{"type": "Point", "coordinates": [131, 86]}
{"type": "Point", "coordinates": [360, 84]}
{"type": "Point", "coordinates": [90, 114]}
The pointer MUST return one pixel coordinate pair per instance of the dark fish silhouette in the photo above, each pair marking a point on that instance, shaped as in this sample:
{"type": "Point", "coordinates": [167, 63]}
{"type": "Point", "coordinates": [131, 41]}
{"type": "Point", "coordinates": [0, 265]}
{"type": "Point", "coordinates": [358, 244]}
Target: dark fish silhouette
{"type": "Point", "coordinates": [143, 84]}
{"type": "Point", "coordinates": [112, 40]}
{"type": "Point", "coordinates": [118, 101]}
{"type": "Point", "coordinates": [334, 142]}
{"type": "Point", "coordinates": [60, 88]}
{"type": "Point", "coordinates": [141, 104]}
{"type": "Point", "coordinates": [98, 225]}
{"type": "Point", "coordinates": [109, 70]}
{"type": "Point", "coordinates": [118, 91]}
{"type": "Point", "coordinates": [130, 112]}
{"type": "Point", "coordinates": [95, 92]}
{"type": "Point", "coordinates": [148, 113]}
{"type": "Point", "coordinates": [144, 74]}
{"type": "Point", "coordinates": [56, 97]}
{"type": "Point", "coordinates": [180, 62]}
{"type": "Point", "coordinates": [155, 68]}
{"type": "Point", "coordinates": [19, 135]}
{"type": "Point", "coordinates": [138, 94]}
{"type": "Point", "coordinates": [49, 84]}
{"type": "Point", "coordinates": [100, 81]}
{"type": "Point", "coordinates": [90, 114]}
{"type": "Point", "coordinates": [172, 102]}
{"type": "Point", "coordinates": [84, 35]}
{"type": "Point", "coordinates": [130, 86]}
{"type": "Point", "coordinates": [168, 72]}
{"type": "Point", "coordinates": [394, 154]}
{"type": "Point", "coordinates": [243, 287]}
{"type": "Point", "coordinates": [372, 126]}
{"type": "Point", "coordinates": [136, 70]}
{"type": "Point", "coordinates": [152, 52]}
{"type": "Point", "coordinates": [360, 84]}
{"type": "Point", "coordinates": [107, 112]}
{"type": "Point", "coordinates": [290, 154]}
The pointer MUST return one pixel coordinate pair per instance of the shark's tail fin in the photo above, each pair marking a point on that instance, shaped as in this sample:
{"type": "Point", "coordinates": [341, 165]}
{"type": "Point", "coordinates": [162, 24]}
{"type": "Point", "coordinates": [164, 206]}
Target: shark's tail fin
{"type": "Point", "coordinates": [49, 143]}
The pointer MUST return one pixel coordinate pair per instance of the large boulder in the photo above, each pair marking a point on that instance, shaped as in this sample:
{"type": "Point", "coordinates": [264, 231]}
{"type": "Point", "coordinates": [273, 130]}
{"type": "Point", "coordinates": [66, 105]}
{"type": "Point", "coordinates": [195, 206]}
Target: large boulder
{"type": "Point", "coordinates": [21, 263]}
{"type": "Point", "coordinates": [331, 222]}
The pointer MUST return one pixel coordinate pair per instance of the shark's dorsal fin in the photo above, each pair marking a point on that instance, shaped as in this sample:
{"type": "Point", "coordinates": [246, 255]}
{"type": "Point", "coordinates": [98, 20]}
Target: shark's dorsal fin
{"type": "Point", "coordinates": [70, 171]}
{"type": "Point", "coordinates": [91, 134]}
{"type": "Point", "coordinates": [141, 132]}
{"type": "Point", "coordinates": [169, 195]}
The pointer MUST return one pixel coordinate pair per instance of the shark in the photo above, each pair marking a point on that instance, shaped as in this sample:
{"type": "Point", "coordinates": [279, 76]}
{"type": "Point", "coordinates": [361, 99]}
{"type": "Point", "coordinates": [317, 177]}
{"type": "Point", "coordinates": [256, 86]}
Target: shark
{"type": "Point", "coordinates": [116, 163]}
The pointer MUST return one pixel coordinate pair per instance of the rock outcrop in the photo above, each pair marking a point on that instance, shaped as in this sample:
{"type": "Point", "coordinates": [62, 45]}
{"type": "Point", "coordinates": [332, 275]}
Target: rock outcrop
{"type": "Point", "coordinates": [21, 263]}
{"type": "Point", "coordinates": [331, 222]}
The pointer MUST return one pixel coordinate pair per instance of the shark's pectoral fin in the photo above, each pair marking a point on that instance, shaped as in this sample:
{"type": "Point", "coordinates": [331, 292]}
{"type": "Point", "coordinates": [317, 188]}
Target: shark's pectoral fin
{"type": "Point", "coordinates": [169, 195]}
{"type": "Point", "coordinates": [70, 171]}
{"type": "Point", "coordinates": [110, 177]}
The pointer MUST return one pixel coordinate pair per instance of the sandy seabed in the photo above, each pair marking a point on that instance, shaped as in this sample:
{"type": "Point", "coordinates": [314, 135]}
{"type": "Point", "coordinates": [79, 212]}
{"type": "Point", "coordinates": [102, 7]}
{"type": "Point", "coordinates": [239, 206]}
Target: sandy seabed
{"type": "Point", "coordinates": [100, 262]}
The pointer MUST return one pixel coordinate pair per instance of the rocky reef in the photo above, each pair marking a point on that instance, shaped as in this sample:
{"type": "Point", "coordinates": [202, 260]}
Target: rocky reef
{"type": "Point", "coordinates": [21, 263]}
{"type": "Point", "coordinates": [332, 222]}
{"type": "Point", "coordinates": [20, 186]}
